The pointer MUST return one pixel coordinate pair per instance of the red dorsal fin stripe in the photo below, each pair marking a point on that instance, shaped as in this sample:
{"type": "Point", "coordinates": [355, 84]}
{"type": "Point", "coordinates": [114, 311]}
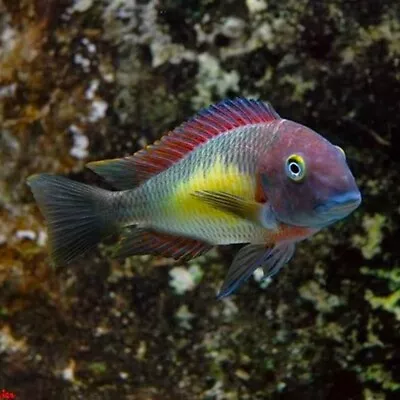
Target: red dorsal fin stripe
{"type": "Point", "coordinates": [208, 123]}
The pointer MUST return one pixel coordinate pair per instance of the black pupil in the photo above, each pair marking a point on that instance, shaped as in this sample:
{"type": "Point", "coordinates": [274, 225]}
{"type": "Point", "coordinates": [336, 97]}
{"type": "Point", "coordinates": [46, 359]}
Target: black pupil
{"type": "Point", "coordinates": [294, 168]}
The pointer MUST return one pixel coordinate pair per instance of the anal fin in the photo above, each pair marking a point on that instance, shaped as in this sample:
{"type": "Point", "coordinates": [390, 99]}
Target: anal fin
{"type": "Point", "coordinates": [136, 241]}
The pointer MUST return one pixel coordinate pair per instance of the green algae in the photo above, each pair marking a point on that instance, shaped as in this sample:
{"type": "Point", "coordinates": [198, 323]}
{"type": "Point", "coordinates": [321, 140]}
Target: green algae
{"type": "Point", "coordinates": [392, 275]}
{"type": "Point", "coordinates": [371, 395]}
{"type": "Point", "coordinates": [98, 368]}
{"type": "Point", "coordinates": [375, 373]}
{"type": "Point", "coordinates": [322, 300]}
{"type": "Point", "coordinates": [391, 302]}
{"type": "Point", "coordinates": [370, 242]}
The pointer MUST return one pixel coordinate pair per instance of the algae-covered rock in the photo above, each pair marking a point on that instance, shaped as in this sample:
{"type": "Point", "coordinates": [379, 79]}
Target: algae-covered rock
{"type": "Point", "coordinates": [84, 80]}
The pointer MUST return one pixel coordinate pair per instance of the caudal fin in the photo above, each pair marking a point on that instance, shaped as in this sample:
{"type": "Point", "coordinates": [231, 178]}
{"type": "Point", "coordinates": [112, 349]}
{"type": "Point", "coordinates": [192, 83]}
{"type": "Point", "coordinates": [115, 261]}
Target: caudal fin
{"type": "Point", "coordinates": [78, 215]}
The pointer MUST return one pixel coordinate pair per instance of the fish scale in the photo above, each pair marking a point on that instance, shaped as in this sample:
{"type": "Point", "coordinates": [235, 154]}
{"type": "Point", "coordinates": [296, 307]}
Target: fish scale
{"type": "Point", "coordinates": [162, 206]}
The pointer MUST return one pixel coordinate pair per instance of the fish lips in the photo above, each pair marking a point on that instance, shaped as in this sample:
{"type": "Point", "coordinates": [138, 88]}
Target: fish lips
{"type": "Point", "coordinates": [326, 213]}
{"type": "Point", "coordinates": [338, 206]}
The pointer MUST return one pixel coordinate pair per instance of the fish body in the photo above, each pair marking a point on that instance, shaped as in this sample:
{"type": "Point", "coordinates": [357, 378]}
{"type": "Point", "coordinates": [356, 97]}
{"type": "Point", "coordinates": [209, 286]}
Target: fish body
{"type": "Point", "coordinates": [235, 173]}
{"type": "Point", "coordinates": [221, 165]}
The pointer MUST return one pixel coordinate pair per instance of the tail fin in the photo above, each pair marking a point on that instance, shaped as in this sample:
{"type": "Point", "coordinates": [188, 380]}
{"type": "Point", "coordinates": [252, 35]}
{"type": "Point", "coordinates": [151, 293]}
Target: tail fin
{"type": "Point", "coordinates": [78, 216]}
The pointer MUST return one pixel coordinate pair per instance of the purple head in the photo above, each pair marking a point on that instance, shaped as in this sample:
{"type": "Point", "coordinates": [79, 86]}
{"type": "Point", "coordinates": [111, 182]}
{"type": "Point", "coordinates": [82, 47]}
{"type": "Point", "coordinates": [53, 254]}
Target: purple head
{"type": "Point", "coordinates": [306, 179]}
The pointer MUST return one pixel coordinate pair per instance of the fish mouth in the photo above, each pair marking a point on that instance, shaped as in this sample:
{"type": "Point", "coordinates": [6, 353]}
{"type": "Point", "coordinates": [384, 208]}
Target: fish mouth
{"type": "Point", "coordinates": [339, 206]}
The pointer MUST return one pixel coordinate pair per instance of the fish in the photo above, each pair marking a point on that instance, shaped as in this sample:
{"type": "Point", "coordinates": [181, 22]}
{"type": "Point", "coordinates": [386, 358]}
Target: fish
{"type": "Point", "coordinates": [235, 173]}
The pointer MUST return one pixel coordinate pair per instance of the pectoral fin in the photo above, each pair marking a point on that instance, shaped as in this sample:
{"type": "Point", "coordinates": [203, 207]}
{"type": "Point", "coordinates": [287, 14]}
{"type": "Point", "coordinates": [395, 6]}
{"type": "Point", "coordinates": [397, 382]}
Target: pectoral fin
{"type": "Point", "coordinates": [250, 258]}
{"type": "Point", "coordinates": [239, 206]}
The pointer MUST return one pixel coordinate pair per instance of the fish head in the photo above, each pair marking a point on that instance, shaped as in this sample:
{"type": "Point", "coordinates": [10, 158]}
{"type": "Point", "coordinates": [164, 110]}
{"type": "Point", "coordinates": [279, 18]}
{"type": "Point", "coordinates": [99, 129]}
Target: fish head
{"type": "Point", "coordinates": [306, 179]}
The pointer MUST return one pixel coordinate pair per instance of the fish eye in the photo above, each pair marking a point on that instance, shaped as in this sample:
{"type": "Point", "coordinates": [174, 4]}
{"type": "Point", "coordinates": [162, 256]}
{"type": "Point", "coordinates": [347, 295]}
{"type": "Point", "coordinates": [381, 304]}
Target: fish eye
{"type": "Point", "coordinates": [341, 150]}
{"type": "Point", "coordinates": [295, 168]}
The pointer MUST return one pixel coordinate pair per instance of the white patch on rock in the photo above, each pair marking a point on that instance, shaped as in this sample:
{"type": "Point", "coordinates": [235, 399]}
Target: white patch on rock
{"type": "Point", "coordinates": [25, 234]}
{"type": "Point", "coordinates": [89, 45]}
{"type": "Point", "coordinates": [8, 343]}
{"type": "Point", "coordinates": [259, 277]}
{"type": "Point", "coordinates": [8, 40]}
{"type": "Point", "coordinates": [123, 375]}
{"type": "Point", "coordinates": [258, 274]}
{"type": "Point", "coordinates": [184, 317]}
{"type": "Point", "coordinates": [212, 78]}
{"type": "Point", "coordinates": [82, 5]}
{"type": "Point", "coordinates": [181, 280]}
{"type": "Point", "coordinates": [8, 91]}
{"type": "Point", "coordinates": [184, 280]}
{"type": "Point", "coordinates": [92, 89]}
{"type": "Point", "coordinates": [80, 146]}
{"type": "Point", "coordinates": [233, 27]}
{"type": "Point", "coordinates": [255, 6]}
{"type": "Point", "coordinates": [82, 61]}
{"type": "Point", "coordinates": [98, 110]}
{"type": "Point", "coordinates": [68, 373]}
{"type": "Point", "coordinates": [42, 238]}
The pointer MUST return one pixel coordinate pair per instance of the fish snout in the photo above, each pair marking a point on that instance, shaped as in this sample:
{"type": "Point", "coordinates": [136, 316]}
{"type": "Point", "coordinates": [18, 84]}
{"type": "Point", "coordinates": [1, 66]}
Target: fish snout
{"type": "Point", "coordinates": [339, 206]}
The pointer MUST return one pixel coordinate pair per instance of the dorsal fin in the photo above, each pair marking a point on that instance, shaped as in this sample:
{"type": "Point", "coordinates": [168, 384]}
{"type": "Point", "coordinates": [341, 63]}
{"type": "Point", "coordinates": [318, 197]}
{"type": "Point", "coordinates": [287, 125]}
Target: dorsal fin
{"type": "Point", "coordinates": [126, 173]}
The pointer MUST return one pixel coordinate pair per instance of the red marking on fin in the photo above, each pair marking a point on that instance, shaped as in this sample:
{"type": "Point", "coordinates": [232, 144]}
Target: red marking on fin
{"type": "Point", "coordinates": [128, 172]}
{"type": "Point", "coordinates": [135, 241]}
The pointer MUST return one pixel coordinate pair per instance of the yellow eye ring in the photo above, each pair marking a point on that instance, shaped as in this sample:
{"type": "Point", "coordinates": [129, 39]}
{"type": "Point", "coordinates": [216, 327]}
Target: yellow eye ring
{"type": "Point", "coordinates": [341, 150]}
{"type": "Point", "coordinates": [295, 168]}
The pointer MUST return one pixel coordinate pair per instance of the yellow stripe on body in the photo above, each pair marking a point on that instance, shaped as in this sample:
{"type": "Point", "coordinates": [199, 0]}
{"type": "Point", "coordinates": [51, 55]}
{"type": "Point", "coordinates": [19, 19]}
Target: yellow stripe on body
{"type": "Point", "coordinates": [219, 177]}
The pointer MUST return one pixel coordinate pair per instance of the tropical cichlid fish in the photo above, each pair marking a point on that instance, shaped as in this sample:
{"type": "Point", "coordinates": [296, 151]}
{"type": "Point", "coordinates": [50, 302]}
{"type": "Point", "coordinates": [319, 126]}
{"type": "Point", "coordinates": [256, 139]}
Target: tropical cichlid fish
{"type": "Point", "coordinates": [235, 173]}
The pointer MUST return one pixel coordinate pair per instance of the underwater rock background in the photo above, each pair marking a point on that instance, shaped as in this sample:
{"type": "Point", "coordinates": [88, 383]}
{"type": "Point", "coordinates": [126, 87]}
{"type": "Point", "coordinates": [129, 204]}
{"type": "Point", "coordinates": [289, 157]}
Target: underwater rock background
{"type": "Point", "coordinates": [85, 80]}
